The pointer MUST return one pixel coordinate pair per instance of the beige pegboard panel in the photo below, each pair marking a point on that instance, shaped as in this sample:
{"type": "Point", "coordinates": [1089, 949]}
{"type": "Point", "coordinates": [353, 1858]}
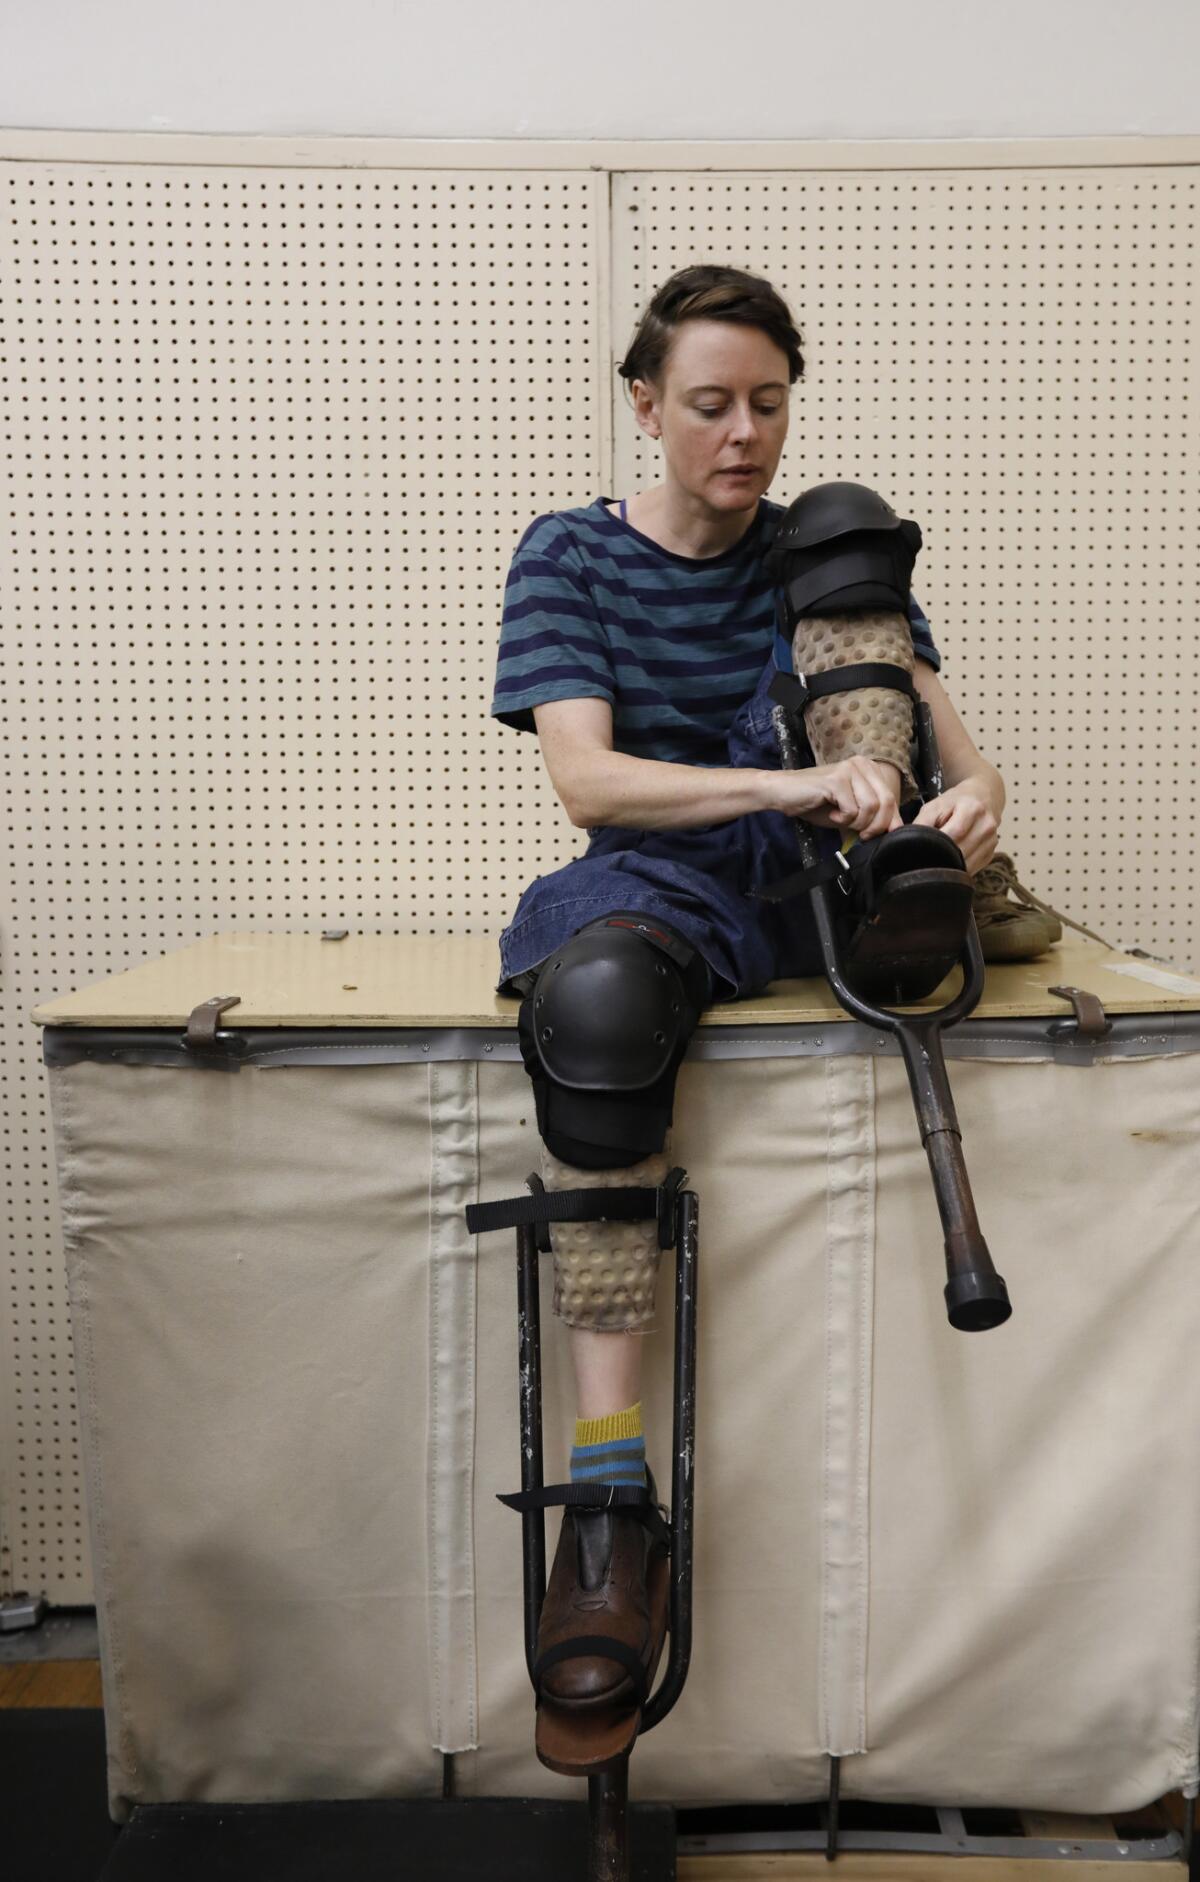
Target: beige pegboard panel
{"type": "Point", "coordinates": [1009, 356]}
{"type": "Point", "coordinates": [271, 436]}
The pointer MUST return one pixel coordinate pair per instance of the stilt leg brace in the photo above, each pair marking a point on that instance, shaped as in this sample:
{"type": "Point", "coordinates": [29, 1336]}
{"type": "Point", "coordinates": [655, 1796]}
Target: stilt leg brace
{"type": "Point", "coordinates": [606, 1273]}
{"type": "Point", "coordinates": [844, 562]}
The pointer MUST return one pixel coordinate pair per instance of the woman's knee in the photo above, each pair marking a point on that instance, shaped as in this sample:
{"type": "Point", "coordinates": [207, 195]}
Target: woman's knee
{"type": "Point", "coordinates": [603, 1031]}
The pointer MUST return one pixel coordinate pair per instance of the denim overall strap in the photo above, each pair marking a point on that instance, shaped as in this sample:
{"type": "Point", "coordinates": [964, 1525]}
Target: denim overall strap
{"type": "Point", "coordinates": [781, 650]}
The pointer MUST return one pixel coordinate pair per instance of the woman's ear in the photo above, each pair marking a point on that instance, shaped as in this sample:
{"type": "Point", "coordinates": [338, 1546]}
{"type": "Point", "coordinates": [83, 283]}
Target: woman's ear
{"type": "Point", "coordinates": [645, 407]}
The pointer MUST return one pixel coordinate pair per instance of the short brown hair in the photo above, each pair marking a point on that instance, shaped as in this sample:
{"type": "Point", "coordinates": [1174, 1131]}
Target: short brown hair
{"type": "Point", "coordinates": [708, 292]}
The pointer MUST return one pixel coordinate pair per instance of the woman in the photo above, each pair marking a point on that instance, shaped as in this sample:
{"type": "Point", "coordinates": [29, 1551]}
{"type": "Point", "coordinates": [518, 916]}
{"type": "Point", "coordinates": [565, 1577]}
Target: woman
{"type": "Point", "coordinates": [636, 640]}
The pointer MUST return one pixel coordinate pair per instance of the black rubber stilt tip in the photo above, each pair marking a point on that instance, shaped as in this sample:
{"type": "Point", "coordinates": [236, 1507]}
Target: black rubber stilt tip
{"type": "Point", "coordinates": [977, 1301]}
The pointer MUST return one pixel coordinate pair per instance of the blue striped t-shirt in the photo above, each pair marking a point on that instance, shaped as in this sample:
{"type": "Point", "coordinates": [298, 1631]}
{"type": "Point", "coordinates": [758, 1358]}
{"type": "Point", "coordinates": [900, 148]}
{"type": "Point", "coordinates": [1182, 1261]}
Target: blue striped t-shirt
{"type": "Point", "coordinates": [595, 610]}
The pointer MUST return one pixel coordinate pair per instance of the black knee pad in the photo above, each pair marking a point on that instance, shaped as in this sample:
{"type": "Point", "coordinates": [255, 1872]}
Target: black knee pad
{"type": "Point", "coordinates": [841, 547]}
{"type": "Point", "coordinates": [602, 1034]}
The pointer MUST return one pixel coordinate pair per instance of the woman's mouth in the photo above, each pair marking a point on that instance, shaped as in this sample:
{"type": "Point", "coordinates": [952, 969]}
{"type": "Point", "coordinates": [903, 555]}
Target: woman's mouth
{"type": "Point", "coordinates": [741, 470]}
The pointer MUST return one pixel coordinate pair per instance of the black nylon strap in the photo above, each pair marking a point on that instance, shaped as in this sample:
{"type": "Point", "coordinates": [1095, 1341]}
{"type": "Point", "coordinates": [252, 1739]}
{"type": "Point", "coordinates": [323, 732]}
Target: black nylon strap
{"type": "Point", "coordinates": [575, 1114]}
{"type": "Point", "coordinates": [577, 1495]}
{"type": "Point", "coordinates": [794, 691]}
{"type": "Point", "coordinates": [809, 588]}
{"type": "Point", "coordinates": [628, 1204]}
{"type": "Point", "coordinates": [650, 930]}
{"type": "Point", "coordinates": [797, 884]}
{"type": "Point", "coordinates": [599, 1646]}
{"type": "Point", "coordinates": [633, 1499]}
{"type": "Point", "coordinates": [849, 679]}
{"type": "Point", "coordinates": [564, 1205]}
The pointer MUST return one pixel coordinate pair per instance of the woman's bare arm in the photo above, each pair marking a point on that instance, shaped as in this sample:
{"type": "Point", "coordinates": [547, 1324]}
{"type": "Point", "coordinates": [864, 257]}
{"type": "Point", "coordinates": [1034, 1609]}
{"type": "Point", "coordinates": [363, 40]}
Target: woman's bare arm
{"type": "Point", "coordinates": [972, 803]}
{"type": "Point", "coordinates": [598, 785]}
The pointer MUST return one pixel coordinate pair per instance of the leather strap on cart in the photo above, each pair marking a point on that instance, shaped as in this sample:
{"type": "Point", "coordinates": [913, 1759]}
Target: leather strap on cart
{"type": "Point", "coordinates": [201, 1034]}
{"type": "Point", "coordinates": [1090, 1021]}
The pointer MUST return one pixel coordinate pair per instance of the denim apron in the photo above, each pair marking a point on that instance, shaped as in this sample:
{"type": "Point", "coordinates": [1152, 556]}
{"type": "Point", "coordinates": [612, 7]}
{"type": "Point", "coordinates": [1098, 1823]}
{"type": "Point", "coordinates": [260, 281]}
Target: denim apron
{"type": "Point", "coordinates": [697, 880]}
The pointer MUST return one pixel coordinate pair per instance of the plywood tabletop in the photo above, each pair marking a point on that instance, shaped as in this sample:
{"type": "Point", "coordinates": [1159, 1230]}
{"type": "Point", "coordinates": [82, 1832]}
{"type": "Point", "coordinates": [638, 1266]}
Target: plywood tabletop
{"type": "Point", "coordinates": [449, 980]}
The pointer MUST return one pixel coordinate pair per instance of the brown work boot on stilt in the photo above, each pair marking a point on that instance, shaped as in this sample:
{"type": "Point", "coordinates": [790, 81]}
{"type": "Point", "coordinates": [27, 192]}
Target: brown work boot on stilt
{"type": "Point", "coordinates": [597, 1598]}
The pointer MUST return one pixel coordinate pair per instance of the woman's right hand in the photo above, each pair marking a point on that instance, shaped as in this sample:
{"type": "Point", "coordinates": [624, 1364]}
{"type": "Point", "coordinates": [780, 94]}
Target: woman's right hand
{"type": "Point", "coordinates": [855, 794]}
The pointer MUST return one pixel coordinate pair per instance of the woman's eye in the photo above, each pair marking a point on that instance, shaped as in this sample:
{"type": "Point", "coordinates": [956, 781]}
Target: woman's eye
{"type": "Point", "coordinates": [715, 411]}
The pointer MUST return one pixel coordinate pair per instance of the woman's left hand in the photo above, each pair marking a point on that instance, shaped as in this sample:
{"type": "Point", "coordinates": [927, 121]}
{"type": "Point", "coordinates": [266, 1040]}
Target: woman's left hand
{"type": "Point", "coordinates": [968, 819]}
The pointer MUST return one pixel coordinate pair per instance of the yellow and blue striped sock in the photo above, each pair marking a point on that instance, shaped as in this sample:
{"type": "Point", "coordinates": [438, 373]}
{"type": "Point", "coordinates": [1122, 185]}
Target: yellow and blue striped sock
{"type": "Point", "coordinates": [610, 1450]}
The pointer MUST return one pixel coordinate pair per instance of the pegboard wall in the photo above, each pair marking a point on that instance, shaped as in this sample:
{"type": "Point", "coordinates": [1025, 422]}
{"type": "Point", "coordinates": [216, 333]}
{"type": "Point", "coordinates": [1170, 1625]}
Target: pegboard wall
{"type": "Point", "coordinates": [1009, 356]}
{"type": "Point", "coordinates": [271, 439]}
{"type": "Point", "coordinates": [272, 434]}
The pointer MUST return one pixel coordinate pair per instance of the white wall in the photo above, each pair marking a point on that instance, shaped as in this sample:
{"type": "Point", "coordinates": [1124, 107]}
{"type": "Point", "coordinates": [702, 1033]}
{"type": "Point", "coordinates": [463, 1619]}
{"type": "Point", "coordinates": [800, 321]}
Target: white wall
{"type": "Point", "coordinates": [621, 68]}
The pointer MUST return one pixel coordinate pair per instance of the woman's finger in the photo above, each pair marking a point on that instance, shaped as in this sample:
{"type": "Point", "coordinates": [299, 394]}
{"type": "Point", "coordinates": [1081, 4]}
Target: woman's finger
{"type": "Point", "coordinates": [821, 799]}
{"type": "Point", "coordinates": [958, 824]}
{"type": "Point", "coordinates": [876, 802]}
{"type": "Point", "coordinates": [973, 839]}
{"type": "Point", "coordinates": [961, 830]}
{"type": "Point", "coordinates": [934, 814]}
{"type": "Point", "coordinates": [845, 801]}
{"type": "Point", "coordinates": [855, 794]}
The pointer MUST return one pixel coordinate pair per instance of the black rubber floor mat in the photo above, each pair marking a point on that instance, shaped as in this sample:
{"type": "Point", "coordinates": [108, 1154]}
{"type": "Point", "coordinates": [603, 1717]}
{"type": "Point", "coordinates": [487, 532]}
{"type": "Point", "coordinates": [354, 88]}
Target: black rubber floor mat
{"type": "Point", "coordinates": [459, 1840]}
{"type": "Point", "coordinates": [54, 1821]}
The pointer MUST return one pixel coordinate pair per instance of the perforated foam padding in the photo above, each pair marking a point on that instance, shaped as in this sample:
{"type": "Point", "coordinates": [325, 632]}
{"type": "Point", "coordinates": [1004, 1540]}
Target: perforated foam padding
{"type": "Point", "coordinates": [871, 721]}
{"type": "Point", "coordinates": [605, 1273]}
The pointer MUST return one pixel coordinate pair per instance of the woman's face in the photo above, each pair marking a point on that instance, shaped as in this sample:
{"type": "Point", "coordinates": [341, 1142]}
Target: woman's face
{"type": "Point", "coordinates": [721, 412]}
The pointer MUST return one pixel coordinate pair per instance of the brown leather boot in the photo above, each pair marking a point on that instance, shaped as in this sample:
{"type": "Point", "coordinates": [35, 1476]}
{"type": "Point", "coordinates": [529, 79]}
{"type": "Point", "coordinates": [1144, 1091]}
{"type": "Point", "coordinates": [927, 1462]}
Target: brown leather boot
{"type": "Point", "coordinates": [597, 1593]}
{"type": "Point", "coordinates": [1013, 924]}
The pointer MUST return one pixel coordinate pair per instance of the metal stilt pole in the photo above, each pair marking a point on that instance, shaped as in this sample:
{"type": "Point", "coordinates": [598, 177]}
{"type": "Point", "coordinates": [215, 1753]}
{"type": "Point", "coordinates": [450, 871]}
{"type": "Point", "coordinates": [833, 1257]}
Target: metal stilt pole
{"type": "Point", "coordinates": [831, 1820]}
{"type": "Point", "coordinates": [529, 1360]}
{"type": "Point", "coordinates": [608, 1813]}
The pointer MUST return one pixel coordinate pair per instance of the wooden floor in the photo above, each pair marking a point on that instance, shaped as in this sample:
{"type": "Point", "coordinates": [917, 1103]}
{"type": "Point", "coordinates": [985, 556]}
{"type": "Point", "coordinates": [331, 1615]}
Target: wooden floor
{"type": "Point", "coordinates": [856, 1868]}
{"type": "Point", "coordinates": [77, 1683]}
{"type": "Point", "coordinates": [50, 1683]}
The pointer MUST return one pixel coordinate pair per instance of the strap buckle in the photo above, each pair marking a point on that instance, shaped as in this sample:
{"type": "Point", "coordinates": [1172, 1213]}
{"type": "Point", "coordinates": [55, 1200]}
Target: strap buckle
{"type": "Point", "coordinates": [668, 1190]}
{"type": "Point", "coordinates": [536, 1187]}
{"type": "Point", "coordinates": [789, 690]}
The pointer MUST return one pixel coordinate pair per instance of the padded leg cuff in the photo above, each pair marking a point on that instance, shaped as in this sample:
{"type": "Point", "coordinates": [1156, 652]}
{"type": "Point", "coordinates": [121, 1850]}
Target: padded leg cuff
{"type": "Point", "coordinates": [606, 1273]}
{"type": "Point", "coordinates": [873, 721]}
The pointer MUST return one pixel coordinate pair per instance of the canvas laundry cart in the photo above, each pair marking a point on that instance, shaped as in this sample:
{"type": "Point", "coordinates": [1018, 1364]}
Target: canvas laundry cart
{"type": "Point", "coordinates": [969, 1565]}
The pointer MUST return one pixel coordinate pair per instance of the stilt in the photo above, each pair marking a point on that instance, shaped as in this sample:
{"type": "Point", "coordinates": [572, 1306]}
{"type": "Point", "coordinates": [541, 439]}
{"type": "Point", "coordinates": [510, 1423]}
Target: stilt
{"type": "Point", "coordinates": [608, 1798]}
{"type": "Point", "coordinates": [597, 1745]}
